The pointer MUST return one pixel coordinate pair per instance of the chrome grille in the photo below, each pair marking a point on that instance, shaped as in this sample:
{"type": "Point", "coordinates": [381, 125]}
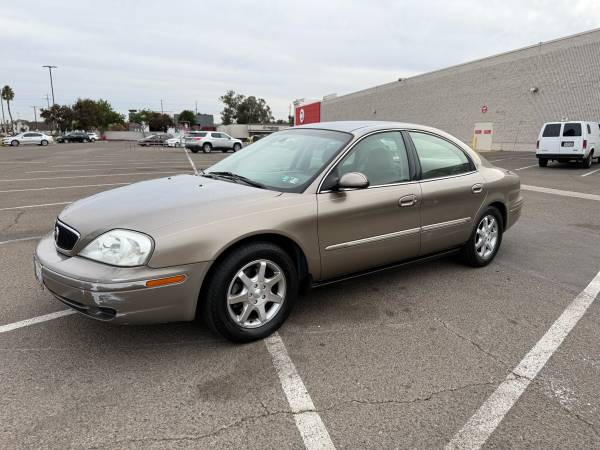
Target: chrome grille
{"type": "Point", "coordinates": [65, 237]}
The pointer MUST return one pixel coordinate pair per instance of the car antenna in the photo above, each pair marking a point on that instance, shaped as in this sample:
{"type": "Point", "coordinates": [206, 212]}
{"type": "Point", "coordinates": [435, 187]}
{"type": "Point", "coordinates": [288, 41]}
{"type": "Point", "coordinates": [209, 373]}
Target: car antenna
{"type": "Point", "coordinates": [190, 160]}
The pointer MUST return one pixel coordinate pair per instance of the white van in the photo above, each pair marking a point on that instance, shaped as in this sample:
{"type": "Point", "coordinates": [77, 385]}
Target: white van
{"type": "Point", "coordinates": [569, 141]}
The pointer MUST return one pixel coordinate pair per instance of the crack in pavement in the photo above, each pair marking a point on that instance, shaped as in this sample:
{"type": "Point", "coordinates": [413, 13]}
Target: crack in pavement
{"type": "Point", "coordinates": [15, 221]}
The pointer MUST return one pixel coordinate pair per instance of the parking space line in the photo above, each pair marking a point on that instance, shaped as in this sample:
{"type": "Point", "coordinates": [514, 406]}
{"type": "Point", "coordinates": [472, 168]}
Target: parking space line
{"type": "Point", "coordinates": [103, 168]}
{"type": "Point", "coordinates": [309, 423]}
{"type": "Point", "coordinates": [63, 187]}
{"type": "Point", "coordinates": [574, 194]}
{"type": "Point", "coordinates": [32, 238]}
{"type": "Point", "coordinates": [527, 167]}
{"type": "Point", "coordinates": [34, 206]}
{"type": "Point", "coordinates": [487, 418]}
{"type": "Point", "coordinates": [589, 173]}
{"type": "Point", "coordinates": [34, 320]}
{"type": "Point", "coordinates": [89, 176]}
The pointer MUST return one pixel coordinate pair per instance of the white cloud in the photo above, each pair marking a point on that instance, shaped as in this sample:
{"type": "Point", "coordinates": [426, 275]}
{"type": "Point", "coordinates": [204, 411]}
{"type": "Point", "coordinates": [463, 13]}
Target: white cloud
{"type": "Point", "coordinates": [136, 53]}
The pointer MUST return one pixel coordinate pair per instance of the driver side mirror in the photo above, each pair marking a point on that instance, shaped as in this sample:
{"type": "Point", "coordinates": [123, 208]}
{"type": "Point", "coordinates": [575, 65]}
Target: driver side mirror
{"type": "Point", "coordinates": [353, 180]}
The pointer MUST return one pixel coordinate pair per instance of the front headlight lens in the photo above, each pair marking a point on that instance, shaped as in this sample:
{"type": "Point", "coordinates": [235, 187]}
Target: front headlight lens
{"type": "Point", "coordinates": [123, 248]}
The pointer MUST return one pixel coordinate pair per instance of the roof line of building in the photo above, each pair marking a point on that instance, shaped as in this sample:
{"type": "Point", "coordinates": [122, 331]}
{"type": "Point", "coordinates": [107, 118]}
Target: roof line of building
{"type": "Point", "coordinates": [474, 61]}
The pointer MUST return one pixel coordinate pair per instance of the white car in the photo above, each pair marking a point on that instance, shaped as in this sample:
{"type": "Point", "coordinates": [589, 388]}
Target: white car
{"type": "Point", "coordinates": [569, 141]}
{"type": "Point", "coordinates": [173, 142]}
{"type": "Point", "coordinates": [93, 136]}
{"type": "Point", "coordinates": [209, 140]}
{"type": "Point", "coordinates": [27, 138]}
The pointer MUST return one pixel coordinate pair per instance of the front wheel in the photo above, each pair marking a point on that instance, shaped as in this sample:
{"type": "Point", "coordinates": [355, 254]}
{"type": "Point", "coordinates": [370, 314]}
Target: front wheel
{"type": "Point", "coordinates": [485, 239]}
{"type": "Point", "coordinates": [543, 162]}
{"type": "Point", "coordinates": [14, 143]}
{"type": "Point", "coordinates": [251, 292]}
{"type": "Point", "coordinates": [236, 147]}
{"type": "Point", "coordinates": [44, 143]}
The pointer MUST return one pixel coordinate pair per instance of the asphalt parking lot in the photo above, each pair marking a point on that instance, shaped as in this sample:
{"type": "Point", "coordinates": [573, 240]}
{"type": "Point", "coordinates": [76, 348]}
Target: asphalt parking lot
{"type": "Point", "coordinates": [400, 359]}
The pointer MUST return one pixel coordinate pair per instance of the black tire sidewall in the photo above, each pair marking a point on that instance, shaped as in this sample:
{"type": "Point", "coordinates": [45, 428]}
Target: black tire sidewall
{"type": "Point", "coordinates": [12, 143]}
{"type": "Point", "coordinates": [44, 142]}
{"type": "Point", "coordinates": [470, 256]}
{"type": "Point", "coordinates": [543, 162]}
{"type": "Point", "coordinates": [214, 304]}
{"type": "Point", "coordinates": [206, 148]}
{"type": "Point", "coordinates": [236, 147]}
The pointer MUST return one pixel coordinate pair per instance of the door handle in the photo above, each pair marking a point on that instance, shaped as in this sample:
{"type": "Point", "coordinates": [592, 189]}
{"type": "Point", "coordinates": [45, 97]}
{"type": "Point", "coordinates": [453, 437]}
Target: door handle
{"type": "Point", "coordinates": [408, 200]}
{"type": "Point", "coordinates": [477, 188]}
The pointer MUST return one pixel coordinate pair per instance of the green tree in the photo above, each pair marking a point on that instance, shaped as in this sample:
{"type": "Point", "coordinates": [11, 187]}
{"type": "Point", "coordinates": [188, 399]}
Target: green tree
{"type": "Point", "coordinates": [88, 113]}
{"type": "Point", "coordinates": [187, 116]}
{"type": "Point", "coordinates": [242, 109]}
{"type": "Point", "coordinates": [142, 116]}
{"type": "Point", "coordinates": [60, 116]}
{"type": "Point", "coordinates": [8, 96]}
{"type": "Point", "coordinates": [160, 122]}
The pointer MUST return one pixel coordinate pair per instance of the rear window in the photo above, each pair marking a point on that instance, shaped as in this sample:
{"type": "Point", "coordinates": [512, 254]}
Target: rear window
{"type": "Point", "coordinates": [551, 130]}
{"type": "Point", "coordinates": [198, 134]}
{"type": "Point", "coordinates": [572, 129]}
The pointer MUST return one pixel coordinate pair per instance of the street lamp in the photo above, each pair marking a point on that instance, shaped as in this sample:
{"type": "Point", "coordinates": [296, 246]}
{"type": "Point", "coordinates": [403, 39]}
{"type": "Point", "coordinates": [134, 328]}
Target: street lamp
{"type": "Point", "coordinates": [51, 85]}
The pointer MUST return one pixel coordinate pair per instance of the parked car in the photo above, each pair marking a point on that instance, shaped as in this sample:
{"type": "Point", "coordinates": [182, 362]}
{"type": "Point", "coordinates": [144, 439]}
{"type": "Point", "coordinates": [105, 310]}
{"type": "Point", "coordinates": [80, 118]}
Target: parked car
{"type": "Point", "coordinates": [209, 140]}
{"type": "Point", "coordinates": [569, 141]}
{"type": "Point", "coordinates": [28, 138]}
{"type": "Point", "coordinates": [304, 206]}
{"type": "Point", "coordinates": [173, 142]}
{"type": "Point", "coordinates": [93, 136]}
{"type": "Point", "coordinates": [74, 136]}
{"type": "Point", "coordinates": [154, 139]}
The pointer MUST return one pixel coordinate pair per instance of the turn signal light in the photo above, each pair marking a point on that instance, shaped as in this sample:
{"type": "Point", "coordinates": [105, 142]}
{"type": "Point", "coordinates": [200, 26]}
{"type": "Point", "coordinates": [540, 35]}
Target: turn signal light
{"type": "Point", "coordinates": [164, 281]}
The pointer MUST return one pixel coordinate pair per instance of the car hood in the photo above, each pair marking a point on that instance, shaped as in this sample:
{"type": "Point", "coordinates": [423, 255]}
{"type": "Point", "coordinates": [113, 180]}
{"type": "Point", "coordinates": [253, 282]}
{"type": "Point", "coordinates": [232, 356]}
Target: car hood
{"type": "Point", "coordinates": [161, 204]}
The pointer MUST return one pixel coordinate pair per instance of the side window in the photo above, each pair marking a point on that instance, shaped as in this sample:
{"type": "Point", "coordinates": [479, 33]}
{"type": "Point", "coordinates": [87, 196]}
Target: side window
{"type": "Point", "coordinates": [29, 135]}
{"type": "Point", "coordinates": [217, 135]}
{"type": "Point", "coordinates": [381, 157]}
{"type": "Point", "coordinates": [551, 130]}
{"type": "Point", "coordinates": [588, 128]}
{"type": "Point", "coordinates": [438, 157]}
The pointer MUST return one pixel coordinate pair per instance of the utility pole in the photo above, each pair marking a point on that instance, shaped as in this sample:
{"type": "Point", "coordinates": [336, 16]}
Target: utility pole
{"type": "Point", "coordinates": [196, 107]}
{"type": "Point", "coordinates": [35, 116]}
{"type": "Point", "coordinates": [3, 119]}
{"type": "Point", "coordinates": [48, 101]}
{"type": "Point", "coordinates": [161, 107]}
{"type": "Point", "coordinates": [51, 84]}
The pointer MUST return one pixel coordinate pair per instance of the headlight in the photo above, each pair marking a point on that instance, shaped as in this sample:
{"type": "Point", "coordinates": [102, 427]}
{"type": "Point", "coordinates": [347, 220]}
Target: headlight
{"type": "Point", "coordinates": [119, 248]}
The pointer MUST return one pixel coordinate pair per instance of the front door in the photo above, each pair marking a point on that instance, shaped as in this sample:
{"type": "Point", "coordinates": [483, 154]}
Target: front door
{"type": "Point", "coordinates": [453, 192]}
{"type": "Point", "coordinates": [365, 228]}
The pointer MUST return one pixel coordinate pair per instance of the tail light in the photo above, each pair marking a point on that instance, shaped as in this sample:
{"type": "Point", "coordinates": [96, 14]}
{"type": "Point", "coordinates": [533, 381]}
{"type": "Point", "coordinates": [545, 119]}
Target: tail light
{"type": "Point", "coordinates": [197, 138]}
{"type": "Point", "coordinates": [584, 144]}
{"type": "Point", "coordinates": [537, 145]}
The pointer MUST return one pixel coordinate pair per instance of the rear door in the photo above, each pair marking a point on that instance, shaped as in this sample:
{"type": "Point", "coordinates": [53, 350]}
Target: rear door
{"type": "Point", "coordinates": [571, 142]}
{"type": "Point", "coordinates": [550, 139]}
{"type": "Point", "coordinates": [453, 192]}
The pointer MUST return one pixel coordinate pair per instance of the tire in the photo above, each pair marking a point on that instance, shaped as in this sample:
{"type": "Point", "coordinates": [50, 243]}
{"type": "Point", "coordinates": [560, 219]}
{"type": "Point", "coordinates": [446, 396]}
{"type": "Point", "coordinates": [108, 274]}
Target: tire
{"type": "Point", "coordinates": [44, 142]}
{"type": "Point", "coordinates": [228, 319]}
{"type": "Point", "coordinates": [207, 148]}
{"type": "Point", "coordinates": [472, 254]}
{"type": "Point", "coordinates": [543, 162]}
{"type": "Point", "coordinates": [177, 144]}
{"type": "Point", "coordinates": [86, 140]}
{"type": "Point", "coordinates": [194, 150]}
{"type": "Point", "coordinates": [14, 143]}
{"type": "Point", "coordinates": [236, 147]}
{"type": "Point", "coordinates": [92, 140]}
{"type": "Point", "coordinates": [587, 162]}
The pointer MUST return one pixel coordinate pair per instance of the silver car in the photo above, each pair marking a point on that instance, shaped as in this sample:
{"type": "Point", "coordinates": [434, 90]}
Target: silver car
{"type": "Point", "coordinates": [209, 140]}
{"type": "Point", "coordinates": [28, 138]}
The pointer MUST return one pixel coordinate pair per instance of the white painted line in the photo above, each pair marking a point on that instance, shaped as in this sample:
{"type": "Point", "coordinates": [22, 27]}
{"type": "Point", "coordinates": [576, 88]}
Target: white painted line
{"type": "Point", "coordinates": [309, 423]}
{"type": "Point", "coordinates": [117, 163]}
{"type": "Point", "coordinates": [64, 187]}
{"type": "Point", "coordinates": [33, 321]}
{"type": "Point", "coordinates": [88, 176]}
{"type": "Point", "coordinates": [32, 238]}
{"type": "Point", "coordinates": [104, 168]}
{"type": "Point", "coordinates": [487, 418]}
{"type": "Point", "coordinates": [527, 167]}
{"type": "Point", "coordinates": [574, 194]}
{"type": "Point", "coordinates": [589, 173]}
{"type": "Point", "coordinates": [34, 206]}
{"type": "Point", "coordinates": [496, 160]}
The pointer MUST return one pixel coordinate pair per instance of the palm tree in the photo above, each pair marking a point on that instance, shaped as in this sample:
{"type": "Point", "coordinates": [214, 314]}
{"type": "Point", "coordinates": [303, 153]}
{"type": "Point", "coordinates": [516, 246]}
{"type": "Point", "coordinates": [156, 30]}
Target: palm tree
{"type": "Point", "coordinates": [8, 95]}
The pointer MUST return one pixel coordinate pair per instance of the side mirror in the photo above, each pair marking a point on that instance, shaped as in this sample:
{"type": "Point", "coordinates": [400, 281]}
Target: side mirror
{"type": "Point", "coordinates": [353, 180]}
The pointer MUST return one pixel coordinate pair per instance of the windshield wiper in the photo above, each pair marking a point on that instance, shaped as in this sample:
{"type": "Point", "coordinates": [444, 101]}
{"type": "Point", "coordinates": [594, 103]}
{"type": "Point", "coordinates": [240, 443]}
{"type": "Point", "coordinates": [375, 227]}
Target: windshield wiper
{"type": "Point", "coordinates": [235, 177]}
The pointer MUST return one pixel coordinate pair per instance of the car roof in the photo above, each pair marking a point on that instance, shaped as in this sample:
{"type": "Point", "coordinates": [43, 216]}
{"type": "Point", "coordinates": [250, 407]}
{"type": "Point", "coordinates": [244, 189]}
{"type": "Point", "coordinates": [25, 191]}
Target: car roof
{"type": "Point", "coordinates": [360, 127]}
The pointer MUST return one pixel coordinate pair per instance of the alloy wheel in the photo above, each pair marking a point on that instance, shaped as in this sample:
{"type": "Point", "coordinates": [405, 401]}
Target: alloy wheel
{"type": "Point", "coordinates": [256, 293]}
{"type": "Point", "coordinates": [486, 237]}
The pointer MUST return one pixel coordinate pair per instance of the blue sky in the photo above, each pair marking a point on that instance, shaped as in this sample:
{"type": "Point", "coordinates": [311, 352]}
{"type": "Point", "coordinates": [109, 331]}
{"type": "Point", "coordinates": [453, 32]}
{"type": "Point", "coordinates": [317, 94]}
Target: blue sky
{"type": "Point", "coordinates": [135, 53]}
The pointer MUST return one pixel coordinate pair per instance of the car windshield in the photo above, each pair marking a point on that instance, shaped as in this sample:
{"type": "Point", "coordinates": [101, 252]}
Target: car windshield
{"type": "Point", "coordinates": [287, 161]}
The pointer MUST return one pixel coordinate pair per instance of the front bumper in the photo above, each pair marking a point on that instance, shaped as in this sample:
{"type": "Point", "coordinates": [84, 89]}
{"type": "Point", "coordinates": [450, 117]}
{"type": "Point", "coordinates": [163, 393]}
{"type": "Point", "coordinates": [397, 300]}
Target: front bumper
{"type": "Point", "coordinates": [119, 294]}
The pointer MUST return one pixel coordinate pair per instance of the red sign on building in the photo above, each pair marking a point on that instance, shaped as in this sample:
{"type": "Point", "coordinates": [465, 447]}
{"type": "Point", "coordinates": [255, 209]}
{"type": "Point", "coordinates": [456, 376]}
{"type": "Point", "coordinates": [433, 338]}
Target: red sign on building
{"type": "Point", "coordinates": [308, 113]}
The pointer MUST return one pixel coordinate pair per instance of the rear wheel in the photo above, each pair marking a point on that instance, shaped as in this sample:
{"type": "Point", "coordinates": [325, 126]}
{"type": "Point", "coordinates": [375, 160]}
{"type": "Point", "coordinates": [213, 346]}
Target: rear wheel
{"type": "Point", "coordinates": [542, 162]}
{"type": "Point", "coordinates": [44, 142]}
{"type": "Point", "coordinates": [587, 162]}
{"type": "Point", "coordinates": [14, 143]}
{"type": "Point", "coordinates": [485, 239]}
{"type": "Point", "coordinates": [193, 150]}
{"type": "Point", "coordinates": [207, 148]}
{"type": "Point", "coordinates": [251, 292]}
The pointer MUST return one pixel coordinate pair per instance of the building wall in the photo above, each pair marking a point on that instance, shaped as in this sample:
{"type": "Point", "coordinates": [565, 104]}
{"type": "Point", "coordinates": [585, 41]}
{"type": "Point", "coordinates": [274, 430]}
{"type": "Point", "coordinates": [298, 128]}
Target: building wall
{"type": "Point", "coordinates": [566, 73]}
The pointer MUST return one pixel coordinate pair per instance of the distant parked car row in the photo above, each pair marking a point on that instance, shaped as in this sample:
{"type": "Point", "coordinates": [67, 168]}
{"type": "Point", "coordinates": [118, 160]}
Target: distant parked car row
{"type": "Point", "coordinates": [77, 136]}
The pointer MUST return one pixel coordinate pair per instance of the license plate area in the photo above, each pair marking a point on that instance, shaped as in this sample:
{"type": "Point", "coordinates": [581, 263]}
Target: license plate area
{"type": "Point", "coordinates": [568, 144]}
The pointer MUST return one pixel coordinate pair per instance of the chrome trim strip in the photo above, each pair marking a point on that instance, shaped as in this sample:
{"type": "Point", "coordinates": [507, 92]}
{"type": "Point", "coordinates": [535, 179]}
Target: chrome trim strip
{"type": "Point", "coordinates": [450, 223]}
{"type": "Point", "coordinates": [411, 231]}
{"type": "Point", "coordinates": [368, 240]}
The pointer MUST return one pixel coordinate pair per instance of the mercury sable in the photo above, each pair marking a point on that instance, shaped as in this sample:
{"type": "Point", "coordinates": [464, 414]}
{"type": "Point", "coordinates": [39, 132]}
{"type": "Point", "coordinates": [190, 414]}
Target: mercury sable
{"type": "Point", "coordinates": [301, 207]}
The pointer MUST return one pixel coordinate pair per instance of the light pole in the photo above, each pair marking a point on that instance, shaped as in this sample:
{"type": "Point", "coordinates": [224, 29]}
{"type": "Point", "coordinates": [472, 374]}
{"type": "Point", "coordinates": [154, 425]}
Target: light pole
{"type": "Point", "coordinates": [51, 85]}
{"type": "Point", "coordinates": [35, 116]}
